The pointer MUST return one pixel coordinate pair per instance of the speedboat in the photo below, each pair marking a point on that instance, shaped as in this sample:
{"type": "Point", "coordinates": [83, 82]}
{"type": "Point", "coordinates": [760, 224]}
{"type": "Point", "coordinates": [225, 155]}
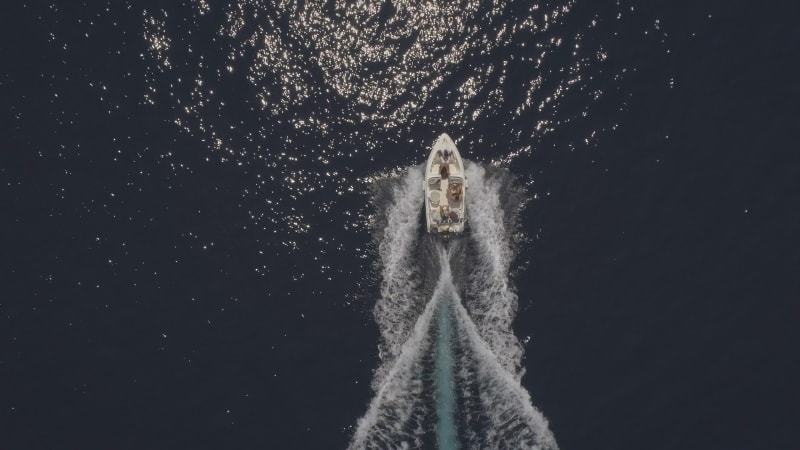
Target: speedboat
{"type": "Point", "coordinates": [445, 187]}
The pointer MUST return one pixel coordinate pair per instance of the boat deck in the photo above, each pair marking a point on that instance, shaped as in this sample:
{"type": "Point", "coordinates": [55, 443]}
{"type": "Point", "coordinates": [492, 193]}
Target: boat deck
{"type": "Point", "coordinates": [440, 197]}
{"type": "Point", "coordinates": [445, 202]}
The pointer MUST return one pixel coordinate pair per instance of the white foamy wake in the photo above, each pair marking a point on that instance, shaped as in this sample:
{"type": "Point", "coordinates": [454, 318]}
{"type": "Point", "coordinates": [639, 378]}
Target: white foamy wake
{"type": "Point", "coordinates": [399, 304]}
{"type": "Point", "coordinates": [492, 303]}
{"type": "Point", "coordinates": [397, 415]}
{"type": "Point", "coordinates": [504, 416]}
{"type": "Point", "coordinates": [492, 410]}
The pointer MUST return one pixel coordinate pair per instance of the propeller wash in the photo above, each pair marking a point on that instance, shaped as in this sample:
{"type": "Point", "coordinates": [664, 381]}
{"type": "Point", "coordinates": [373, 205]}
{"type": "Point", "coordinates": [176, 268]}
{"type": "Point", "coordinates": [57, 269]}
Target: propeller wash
{"type": "Point", "coordinates": [450, 369]}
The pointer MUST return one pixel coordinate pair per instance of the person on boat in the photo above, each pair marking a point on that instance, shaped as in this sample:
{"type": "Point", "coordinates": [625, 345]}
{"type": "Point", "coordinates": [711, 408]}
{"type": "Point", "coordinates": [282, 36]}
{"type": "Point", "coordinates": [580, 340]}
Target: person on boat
{"type": "Point", "coordinates": [444, 155]}
{"type": "Point", "coordinates": [444, 212]}
{"type": "Point", "coordinates": [455, 192]}
{"type": "Point", "coordinates": [444, 171]}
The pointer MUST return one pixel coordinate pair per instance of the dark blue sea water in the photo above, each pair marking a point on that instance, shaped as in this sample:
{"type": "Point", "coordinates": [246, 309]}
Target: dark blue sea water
{"type": "Point", "coordinates": [211, 235]}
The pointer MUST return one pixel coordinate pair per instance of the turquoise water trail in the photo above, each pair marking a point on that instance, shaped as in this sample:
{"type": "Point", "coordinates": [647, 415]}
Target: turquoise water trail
{"type": "Point", "coordinates": [450, 369]}
{"type": "Point", "coordinates": [446, 433]}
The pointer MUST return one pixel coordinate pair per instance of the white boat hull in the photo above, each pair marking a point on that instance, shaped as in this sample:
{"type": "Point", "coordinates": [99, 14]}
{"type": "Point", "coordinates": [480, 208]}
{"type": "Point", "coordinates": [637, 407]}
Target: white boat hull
{"type": "Point", "coordinates": [445, 192]}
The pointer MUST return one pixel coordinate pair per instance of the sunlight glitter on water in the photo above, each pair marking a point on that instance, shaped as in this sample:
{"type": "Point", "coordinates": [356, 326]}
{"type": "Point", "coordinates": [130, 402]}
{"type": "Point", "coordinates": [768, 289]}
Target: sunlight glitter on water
{"type": "Point", "coordinates": [305, 70]}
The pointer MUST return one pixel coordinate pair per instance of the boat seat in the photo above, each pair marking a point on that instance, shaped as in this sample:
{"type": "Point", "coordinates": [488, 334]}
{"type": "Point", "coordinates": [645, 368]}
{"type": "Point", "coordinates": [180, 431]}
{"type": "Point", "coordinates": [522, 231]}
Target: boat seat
{"type": "Point", "coordinates": [435, 197]}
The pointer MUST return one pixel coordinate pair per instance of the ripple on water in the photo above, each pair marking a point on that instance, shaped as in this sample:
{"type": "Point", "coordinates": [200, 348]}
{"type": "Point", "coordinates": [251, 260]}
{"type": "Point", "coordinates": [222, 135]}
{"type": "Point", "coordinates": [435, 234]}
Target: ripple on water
{"type": "Point", "coordinates": [311, 99]}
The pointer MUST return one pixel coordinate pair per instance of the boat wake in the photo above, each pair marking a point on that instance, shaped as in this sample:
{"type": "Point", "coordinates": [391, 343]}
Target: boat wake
{"type": "Point", "coordinates": [450, 366]}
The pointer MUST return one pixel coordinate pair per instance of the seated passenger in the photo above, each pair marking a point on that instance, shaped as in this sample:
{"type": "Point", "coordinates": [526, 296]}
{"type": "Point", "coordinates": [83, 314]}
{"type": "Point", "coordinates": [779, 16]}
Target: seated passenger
{"type": "Point", "coordinates": [444, 156]}
{"type": "Point", "coordinates": [455, 192]}
{"type": "Point", "coordinates": [444, 213]}
{"type": "Point", "coordinates": [444, 171]}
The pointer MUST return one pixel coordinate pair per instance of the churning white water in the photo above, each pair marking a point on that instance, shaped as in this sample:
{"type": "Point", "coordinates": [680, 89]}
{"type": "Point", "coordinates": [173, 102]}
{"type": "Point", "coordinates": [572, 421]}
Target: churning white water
{"type": "Point", "coordinates": [450, 369]}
